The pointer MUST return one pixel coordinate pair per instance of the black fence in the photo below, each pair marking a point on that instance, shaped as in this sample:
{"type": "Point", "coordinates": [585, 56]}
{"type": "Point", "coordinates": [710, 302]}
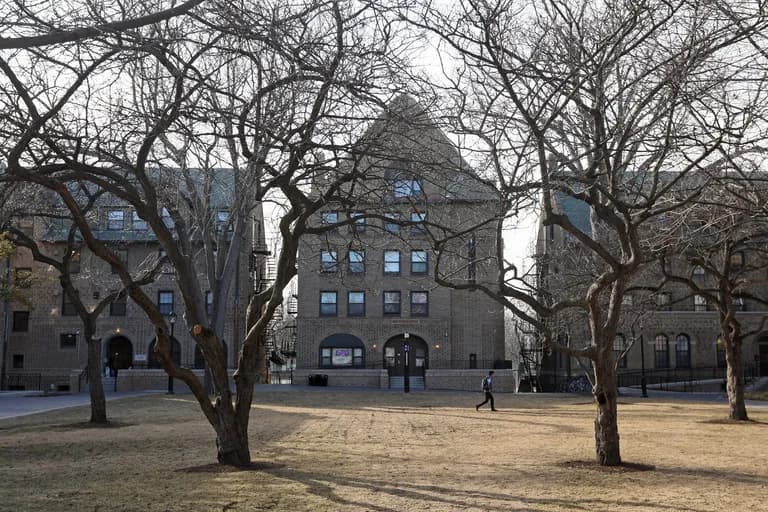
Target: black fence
{"type": "Point", "coordinates": [453, 364]}
{"type": "Point", "coordinates": [36, 382]}
{"type": "Point", "coordinates": [665, 379]}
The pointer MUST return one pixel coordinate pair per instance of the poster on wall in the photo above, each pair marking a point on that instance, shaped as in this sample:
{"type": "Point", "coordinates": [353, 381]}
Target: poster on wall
{"type": "Point", "coordinates": [342, 357]}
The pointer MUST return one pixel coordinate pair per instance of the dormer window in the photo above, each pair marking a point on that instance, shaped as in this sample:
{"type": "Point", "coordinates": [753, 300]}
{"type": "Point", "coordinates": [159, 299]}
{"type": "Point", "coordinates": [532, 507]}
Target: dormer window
{"type": "Point", "coordinates": [115, 220]}
{"type": "Point", "coordinates": [407, 187]}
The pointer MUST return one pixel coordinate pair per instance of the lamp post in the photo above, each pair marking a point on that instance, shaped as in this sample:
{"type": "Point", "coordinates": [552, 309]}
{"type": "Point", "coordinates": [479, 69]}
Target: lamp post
{"type": "Point", "coordinates": [643, 383]}
{"type": "Point", "coordinates": [172, 321]}
{"type": "Point", "coordinates": [406, 369]}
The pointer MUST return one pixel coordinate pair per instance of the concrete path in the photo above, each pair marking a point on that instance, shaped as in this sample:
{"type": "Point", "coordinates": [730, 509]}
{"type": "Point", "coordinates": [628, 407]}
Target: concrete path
{"type": "Point", "coordinates": [22, 403]}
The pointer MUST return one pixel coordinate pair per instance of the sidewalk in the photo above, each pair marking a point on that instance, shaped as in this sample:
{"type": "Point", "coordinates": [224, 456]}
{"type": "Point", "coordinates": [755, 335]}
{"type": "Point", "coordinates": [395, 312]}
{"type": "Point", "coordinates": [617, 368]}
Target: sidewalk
{"type": "Point", "coordinates": [22, 403]}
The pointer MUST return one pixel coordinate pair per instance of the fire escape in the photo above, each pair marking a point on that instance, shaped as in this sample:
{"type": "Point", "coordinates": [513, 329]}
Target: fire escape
{"type": "Point", "coordinates": [264, 265]}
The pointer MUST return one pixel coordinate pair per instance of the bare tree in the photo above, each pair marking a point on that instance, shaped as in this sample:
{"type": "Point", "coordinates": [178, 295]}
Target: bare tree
{"type": "Point", "coordinates": [598, 111]}
{"type": "Point", "coordinates": [72, 280]}
{"type": "Point", "coordinates": [720, 256]}
{"type": "Point", "coordinates": [153, 116]}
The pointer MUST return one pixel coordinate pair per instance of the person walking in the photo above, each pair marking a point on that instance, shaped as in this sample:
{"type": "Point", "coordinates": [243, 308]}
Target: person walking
{"type": "Point", "coordinates": [487, 389]}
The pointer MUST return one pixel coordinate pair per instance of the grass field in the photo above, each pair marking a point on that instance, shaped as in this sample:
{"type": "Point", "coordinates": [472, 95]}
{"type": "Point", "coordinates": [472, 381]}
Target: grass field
{"type": "Point", "coordinates": [330, 450]}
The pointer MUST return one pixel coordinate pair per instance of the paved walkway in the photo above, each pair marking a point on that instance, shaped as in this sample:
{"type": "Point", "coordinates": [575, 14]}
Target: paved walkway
{"type": "Point", "coordinates": [22, 403]}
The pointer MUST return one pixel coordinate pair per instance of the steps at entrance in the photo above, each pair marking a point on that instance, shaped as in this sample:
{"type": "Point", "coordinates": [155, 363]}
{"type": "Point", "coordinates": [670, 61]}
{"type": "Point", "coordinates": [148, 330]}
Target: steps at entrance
{"type": "Point", "coordinates": [415, 383]}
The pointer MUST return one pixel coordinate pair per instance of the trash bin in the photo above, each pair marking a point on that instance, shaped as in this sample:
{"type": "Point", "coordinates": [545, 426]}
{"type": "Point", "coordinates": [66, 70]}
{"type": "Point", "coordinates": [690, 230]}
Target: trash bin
{"type": "Point", "coordinates": [318, 380]}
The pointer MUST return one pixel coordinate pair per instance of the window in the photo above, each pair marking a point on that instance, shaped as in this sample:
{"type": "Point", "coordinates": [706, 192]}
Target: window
{"type": "Point", "coordinates": [356, 304]}
{"type": "Point", "coordinates": [406, 187]}
{"type": "Point", "coordinates": [392, 303]}
{"type": "Point", "coordinates": [22, 277]}
{"type": "Point", "coordinates": [119, 306]}
{"type": "Point", "coordinates": [699, 303]}
{"type": "Point", "coordinates": [68, 340]}
{"type": "Point", "coordinates": [619, 346]}
{"type": "Point", "coordinates": [417, 223]}
{"type": "Point", "coordinates": [328, 261]}
{"type": "Point", "coordinates": [720, 356]}
{"type": "Point", "coordinates": [419, 261]}
{"type": "Point", "coordinates": [329, 218]}
{"type": "Point", "coordinates": [122, 255]}
{"type": "Point", "coordinates": [165, 216]}
{"type": "Point", "coordinates": [391, 262]}
{"type": "Point", "coordinates": [209, 303]}
{"type": "Point", "coordinates": [627, 300]}
{"type": "Point", "coordinates": [737, 260]}
{"type": "Point", "coordinates": [18, 361]}
{"type": "Point", "coordinates": [698, 270]}
{"type": "Point", "coordinates": [392, 224]}
{"type": "Point", "coordinates": [165, 302]}
{"type": "Point", "coordinates": [115, 220]}
{"type": "Point", "coordinates": [338, 356]}
{"type": "Point", "coordinates": [328, 304]}
{"type": "Point", "coordinates": [662, 300]}
{"type": "Point", "coordinates": [661, 351]}
{"type": "Point", "coordinates": [682, 351]}
{"type": "Point", "coordinates": [139, 224]}
{"type": "Point", "coordinates": [739, 304]}
{"type": "Point", "coordinates": [74, 262]}
{"type": "Point", "coordinates": [67, 306]}
{"type": "Point", "coordinates": [471, 259]}
{"type": "Point", "coordinates": [222, 219]}
{"type": "Point", "coordinates": [358, 226]}
{"type": "Point", "coordinates": [20, 321]}
{"type": "Point", "coordinates": [419, 303]}
{"type": "Point", "coordinates": [356, 261]}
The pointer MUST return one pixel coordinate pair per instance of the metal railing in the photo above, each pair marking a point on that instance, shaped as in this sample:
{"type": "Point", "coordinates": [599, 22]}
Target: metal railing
{"type": "Point", "coordinates": [36, 382]}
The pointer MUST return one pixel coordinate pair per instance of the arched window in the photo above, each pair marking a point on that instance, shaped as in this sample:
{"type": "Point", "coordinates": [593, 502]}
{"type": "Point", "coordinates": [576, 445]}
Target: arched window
{"type": "Point", "coordinates": [661, 351]}
{"type": "Point", "coordinates": [342, 351]}
{"type": "Point", "coordinates": [619, 346]}
{"type": "Point", "coordinates": [683, 351]}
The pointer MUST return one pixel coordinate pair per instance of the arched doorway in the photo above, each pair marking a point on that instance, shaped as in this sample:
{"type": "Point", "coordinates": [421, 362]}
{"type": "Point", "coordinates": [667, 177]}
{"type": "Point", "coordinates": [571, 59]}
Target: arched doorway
{"type": "Point", "coordinates": [406, 350]}
{"type": "Point", "coordinates": [200, 360]}
{"type": "Point", "coordinates": [762, 356]}
{"type": "Point", "coordinates": [119, 353]}
{"type": "Point", "coordinates": [153, 362]}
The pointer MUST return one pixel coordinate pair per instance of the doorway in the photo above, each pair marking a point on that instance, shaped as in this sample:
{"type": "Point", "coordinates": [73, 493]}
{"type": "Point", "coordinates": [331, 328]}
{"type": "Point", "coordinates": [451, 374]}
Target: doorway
{"type": "Point", "coordinates": [763, 355]}
{"type": "Point", "coordinates": [401, 352]}
{"type": "Point", "coordinates": [119, 353]}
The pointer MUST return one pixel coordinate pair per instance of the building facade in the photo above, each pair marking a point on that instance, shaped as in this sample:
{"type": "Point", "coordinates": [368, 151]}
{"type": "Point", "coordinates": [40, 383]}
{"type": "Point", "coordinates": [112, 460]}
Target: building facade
{"type": "Point", "coordinates": [668, 336]}
{"type": "Point", "coordinates": [44, 346]}
{"type": "Point", "coordinates": [369, 310]}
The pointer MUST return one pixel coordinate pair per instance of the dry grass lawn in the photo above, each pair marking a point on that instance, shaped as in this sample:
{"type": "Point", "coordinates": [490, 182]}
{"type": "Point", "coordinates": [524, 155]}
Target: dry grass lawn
{"type": "Point", "coordinates": [329, 450]}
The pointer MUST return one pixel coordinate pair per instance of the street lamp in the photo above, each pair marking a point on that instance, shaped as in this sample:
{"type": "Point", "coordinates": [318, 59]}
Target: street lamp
{"type": "Point", "coordinates": [406, 369]}
{"type": "Point", "coordinates": [643, 382]}
{"type": "Point", "coordinates": [172, 321]}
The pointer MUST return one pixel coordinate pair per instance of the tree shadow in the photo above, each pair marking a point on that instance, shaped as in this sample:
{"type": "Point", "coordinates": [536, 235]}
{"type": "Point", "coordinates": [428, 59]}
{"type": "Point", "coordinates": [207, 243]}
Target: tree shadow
{"type": "Point", "coordinates": [326, 486]}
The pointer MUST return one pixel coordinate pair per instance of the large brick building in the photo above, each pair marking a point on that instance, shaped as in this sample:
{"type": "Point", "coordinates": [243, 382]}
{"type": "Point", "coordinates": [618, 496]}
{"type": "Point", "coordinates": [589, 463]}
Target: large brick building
{"type": "Point", "coordinates": [369, 311]}
{"type": "Point", "coordinates": [668, 335]}
{"type": "Point", "coordinates": [44, 345]}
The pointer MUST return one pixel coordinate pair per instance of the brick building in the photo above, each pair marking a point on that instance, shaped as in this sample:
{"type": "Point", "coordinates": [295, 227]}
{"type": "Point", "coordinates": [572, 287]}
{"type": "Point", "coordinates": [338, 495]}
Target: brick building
{"type": "Point", "coordinates": [44, 345]}
{"type": "Point", "coordinates": [369, 311]}
{"type": "Point", "coordinates": [669, 335]}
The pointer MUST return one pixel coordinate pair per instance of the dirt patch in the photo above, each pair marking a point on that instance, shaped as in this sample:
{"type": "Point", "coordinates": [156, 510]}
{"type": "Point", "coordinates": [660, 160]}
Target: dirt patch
{"type": "Point", "coordinates": [624, 467]}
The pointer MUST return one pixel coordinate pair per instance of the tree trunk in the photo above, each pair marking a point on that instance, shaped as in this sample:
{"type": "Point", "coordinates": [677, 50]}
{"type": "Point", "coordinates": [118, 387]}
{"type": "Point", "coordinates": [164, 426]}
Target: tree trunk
{"type": "Point", "coordinates": [95, 385]}
{"type": "Point", "coordinates": [231, 437]}
{"type": "Point", "coordinates": [737, 409]}
{"type": "Point", "coordinates": [606, 424]}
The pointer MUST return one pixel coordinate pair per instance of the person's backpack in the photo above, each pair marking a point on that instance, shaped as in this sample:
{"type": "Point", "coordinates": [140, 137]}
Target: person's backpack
{"type": "Point", "coordinates": [485, 384]}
